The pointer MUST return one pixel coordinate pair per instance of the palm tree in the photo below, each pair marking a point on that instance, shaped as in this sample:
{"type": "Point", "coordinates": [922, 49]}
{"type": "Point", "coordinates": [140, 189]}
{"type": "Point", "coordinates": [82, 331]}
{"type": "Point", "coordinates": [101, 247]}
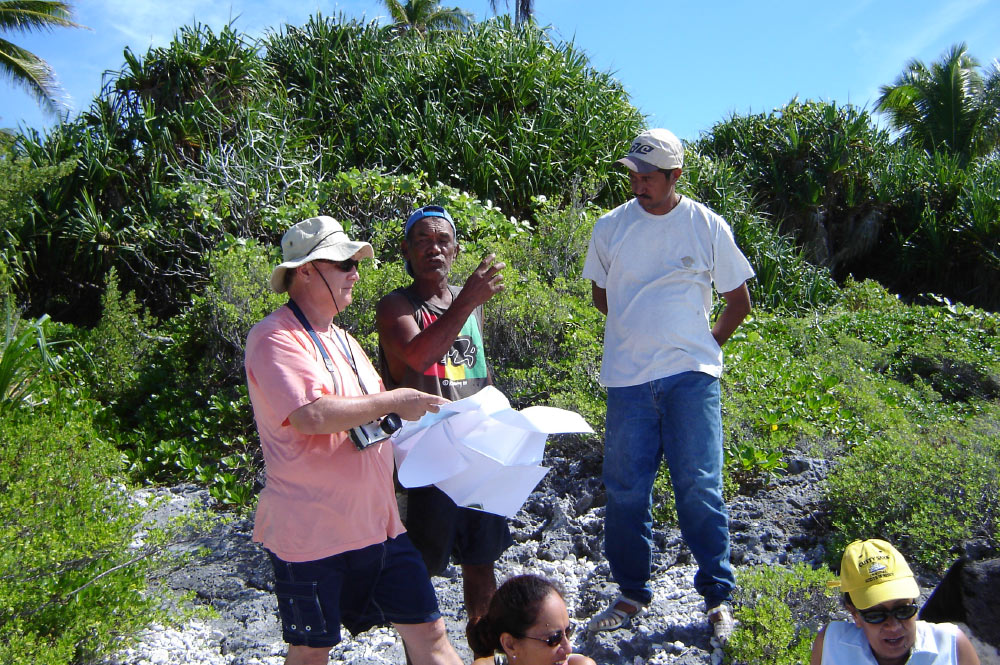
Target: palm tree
{"type": "Point", "coordinates": [948, 106]}
{"type": "Point", "coordinates": [524, 10]}
{"type": "Point", "coordinates": [424, 15]}
{"type": "Point", "coordinates": [22, 67]}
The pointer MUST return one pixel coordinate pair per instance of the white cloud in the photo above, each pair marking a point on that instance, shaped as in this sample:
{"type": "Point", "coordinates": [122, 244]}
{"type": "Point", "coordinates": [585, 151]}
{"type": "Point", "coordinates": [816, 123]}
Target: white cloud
{"type": "Point", "coordinates": [145, 23]}
{"type": "Point", "coordinates": [926, 43]}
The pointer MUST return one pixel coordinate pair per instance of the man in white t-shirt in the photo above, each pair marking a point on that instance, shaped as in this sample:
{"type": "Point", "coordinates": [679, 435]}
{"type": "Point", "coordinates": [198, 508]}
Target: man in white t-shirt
{"type": "Point", "coordinates": [654, 262]}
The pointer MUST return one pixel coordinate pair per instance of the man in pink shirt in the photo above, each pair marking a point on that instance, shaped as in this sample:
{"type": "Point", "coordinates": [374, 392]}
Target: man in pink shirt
{"type": "Point", "coordinates": [327, 514]}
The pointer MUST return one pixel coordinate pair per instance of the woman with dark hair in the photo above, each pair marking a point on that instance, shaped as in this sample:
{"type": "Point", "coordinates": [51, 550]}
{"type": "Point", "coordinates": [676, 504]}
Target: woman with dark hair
{"type": "Point", "coordinates": [881, 596]}
{"type": "Point", "coordinates": [527, 624]}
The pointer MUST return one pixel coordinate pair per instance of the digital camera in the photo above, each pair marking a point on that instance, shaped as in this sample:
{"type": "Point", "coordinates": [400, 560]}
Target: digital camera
{"type": "Point", "coordinates": [375, 431]}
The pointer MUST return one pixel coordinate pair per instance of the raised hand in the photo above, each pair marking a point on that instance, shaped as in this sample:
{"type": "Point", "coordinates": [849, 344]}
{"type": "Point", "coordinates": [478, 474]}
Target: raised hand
{"type": "Point", "coordinates": [485, 281]}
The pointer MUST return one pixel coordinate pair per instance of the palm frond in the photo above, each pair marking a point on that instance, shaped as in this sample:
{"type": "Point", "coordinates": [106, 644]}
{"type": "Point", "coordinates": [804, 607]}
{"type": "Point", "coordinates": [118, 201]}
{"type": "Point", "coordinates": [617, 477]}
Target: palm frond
{"type": "Point", "coordinates": [26, 70]}
{"type": "Point", "coordinates": [34, 15]}
{"type": "Point", "coordinates": [944, 106]}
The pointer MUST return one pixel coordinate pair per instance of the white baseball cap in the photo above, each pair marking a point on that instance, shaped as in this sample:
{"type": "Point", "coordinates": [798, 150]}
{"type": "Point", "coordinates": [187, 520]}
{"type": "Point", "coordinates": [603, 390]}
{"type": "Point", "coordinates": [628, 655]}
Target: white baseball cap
{"type": "Point", "coordinates": [654, 149]}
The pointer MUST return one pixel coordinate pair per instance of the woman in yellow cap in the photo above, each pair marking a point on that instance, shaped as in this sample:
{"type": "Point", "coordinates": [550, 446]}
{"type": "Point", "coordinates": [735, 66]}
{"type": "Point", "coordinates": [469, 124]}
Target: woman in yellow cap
{"type": "Point", "coordinates": [881, 596]}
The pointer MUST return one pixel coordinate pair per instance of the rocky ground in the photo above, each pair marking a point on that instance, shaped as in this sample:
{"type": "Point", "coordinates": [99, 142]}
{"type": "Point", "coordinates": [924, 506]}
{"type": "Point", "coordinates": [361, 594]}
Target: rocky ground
{"type": "Point", "coordinates": [558, 534]}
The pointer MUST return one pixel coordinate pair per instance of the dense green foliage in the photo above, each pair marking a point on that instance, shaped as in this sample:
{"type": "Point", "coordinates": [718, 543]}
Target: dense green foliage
{"type": "Point", "coordinates": [905, 396]}
{"type": "Point", "coordinates": [814, 167]}
{"type": "Point", "coordinates": [949, 106]}
{"type": "Point", "coordinates": [26, 355]}
{"type": "Point", "coordinates": [147, 227]}
{"type": "Point", "coordinates": [865, 207]}
{"type": "Point", "coordinates": [503, 112]}
{"type": "Point", "coordinates": [72, 574]}
{"type": "Point", "coordinates": [19, 180]}
{"type": "Point", "coordinates": [949, 476]}
{"type": "Point", "coordinates": [779, 611]}
{"type": "Point", "coordinates": [217, 135]}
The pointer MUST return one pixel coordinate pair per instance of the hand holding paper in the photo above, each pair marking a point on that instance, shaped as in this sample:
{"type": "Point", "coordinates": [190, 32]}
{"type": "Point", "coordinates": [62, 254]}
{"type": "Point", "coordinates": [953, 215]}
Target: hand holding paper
{"type": "Point", "coordinates": [480, 451]}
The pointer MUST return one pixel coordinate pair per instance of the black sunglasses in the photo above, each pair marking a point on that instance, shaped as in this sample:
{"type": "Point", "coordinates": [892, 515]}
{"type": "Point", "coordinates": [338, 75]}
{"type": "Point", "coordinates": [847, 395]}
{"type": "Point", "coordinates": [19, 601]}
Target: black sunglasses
{"type": "Point", "coordinates": [556, 638]}
{"type": "Point", "coordinates": [344, 266]}
{"type": "Point", "coordinates": [902, 613]}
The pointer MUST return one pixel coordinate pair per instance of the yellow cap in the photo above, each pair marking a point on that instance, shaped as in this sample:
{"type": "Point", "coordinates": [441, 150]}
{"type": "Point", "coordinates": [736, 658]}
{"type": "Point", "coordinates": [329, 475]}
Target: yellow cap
{"type": "Point", "coordinates": [873, 572]}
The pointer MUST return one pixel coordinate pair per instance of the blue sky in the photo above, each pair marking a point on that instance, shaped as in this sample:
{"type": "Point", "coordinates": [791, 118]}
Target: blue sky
{"type": "Point", "coordinates": [686, 65]}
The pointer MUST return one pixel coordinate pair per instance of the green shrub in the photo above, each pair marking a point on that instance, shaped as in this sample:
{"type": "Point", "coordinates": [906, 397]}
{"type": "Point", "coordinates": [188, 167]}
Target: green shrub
{"type": "Point", "coordinates": [925, 490]}
{"type": "Point", "coordinates": [785, 384]}
{"type": "Point", "coordinates": [191, 417]}
{"type": "Point", "coordinates": [237, 296]}
{"type": "Point", "coordinates": [814, 167]}
{"type": "Point", "coordinates": [849, 373]}
{"type": "Point", "coordinates": [502, 111]}
{"type": "Point", "coordinates": [19, 181]}
{"type": "Point", "coordinates": [72, 577]}
{"type": "Point", "coordinates": [119, 347]}
{"type": "Point", "coordinates": [778, 611]}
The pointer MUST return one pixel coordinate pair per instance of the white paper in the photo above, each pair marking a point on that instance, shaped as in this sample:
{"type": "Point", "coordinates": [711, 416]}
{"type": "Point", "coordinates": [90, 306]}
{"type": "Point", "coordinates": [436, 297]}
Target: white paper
{"type": "Point", "coordinates": [479, 451]}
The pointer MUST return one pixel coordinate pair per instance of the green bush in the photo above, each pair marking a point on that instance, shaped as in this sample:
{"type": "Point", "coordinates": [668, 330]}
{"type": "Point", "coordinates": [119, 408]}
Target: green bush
{"type": "Point", "coordinates": [945, 227]}
{"type": "Point", "coordinates": [30, 366]}
{"type": "Point", "coordinates": [503, 111]}
{"type": "Point", "coordinates": [19, 181]}
{"type": "Point", "coordinates": [926, 490]}
{"type": "Point", "coordinates": [119, 348]}
{"type": "Point", "coordinates": [72, 576]}
{"type": "Point", "coordinates": [814, 167]}
{"type": "Point", "coordinates": [778, 611]}
{"type": "Point", "coordinates": [190, 416]}
{"type": "Point", "coordinates": [850, 373]}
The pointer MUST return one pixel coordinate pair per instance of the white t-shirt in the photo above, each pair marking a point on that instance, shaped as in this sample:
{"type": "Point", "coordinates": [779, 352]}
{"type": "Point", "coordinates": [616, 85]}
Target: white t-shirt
{"type": "Point", "coordinates": [658, 271]}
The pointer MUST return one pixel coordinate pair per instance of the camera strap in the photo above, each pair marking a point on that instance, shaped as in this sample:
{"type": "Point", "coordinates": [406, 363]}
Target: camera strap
{"type": "Point", "coordinates": [327, 360]}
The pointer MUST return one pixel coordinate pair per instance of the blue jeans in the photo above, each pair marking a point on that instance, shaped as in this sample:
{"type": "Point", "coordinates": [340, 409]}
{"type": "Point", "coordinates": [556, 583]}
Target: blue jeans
{"type": "Point", "coordinates": [679, 418]}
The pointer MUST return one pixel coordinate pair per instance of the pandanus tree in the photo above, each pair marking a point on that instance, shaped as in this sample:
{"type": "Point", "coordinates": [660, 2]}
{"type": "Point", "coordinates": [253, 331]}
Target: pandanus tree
{"type": "Point", "coordinates": [23, 68]}
{"type": "Point", "coordinates": [949, 106]}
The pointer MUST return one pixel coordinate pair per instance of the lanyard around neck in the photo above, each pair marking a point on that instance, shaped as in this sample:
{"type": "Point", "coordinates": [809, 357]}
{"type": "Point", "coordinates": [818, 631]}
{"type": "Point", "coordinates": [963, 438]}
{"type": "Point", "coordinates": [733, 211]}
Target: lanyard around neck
{"type": "Point", "coordinates": [327, 360]}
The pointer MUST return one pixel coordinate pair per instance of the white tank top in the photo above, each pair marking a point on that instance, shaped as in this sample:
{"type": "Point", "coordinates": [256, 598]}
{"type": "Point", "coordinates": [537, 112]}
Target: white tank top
{"type": "Point", "coordinates": [846, 644]}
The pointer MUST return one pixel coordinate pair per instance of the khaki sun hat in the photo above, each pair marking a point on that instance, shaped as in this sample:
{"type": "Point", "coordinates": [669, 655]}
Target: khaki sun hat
{"type": "Point", "coordinates": [654, 149]}
{"type": "Point", "coordinates": [315, 238]}
{"type": "Point", "coordinates": [873, 572]}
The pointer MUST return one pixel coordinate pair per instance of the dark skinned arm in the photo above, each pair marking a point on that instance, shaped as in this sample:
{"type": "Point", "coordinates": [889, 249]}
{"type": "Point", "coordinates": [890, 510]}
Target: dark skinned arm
{"type": "Point", "coordinates": [406, 345]}
{"type": "Point", "coordinates": [600, 298]}
{"type": "Point", "coordinates": [736, 309]}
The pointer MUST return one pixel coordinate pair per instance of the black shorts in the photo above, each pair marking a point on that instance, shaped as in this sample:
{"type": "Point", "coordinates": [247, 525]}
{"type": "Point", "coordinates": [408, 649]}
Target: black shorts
{"type": "Point", "coordinates": [441, 530]}
{"type": "Point", "coordinates": [374, 586]}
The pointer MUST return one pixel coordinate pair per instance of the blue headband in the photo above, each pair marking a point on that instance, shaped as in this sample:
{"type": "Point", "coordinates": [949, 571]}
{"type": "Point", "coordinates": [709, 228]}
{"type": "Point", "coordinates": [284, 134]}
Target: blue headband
{"type": "Point", "coordinates": [428, 211]}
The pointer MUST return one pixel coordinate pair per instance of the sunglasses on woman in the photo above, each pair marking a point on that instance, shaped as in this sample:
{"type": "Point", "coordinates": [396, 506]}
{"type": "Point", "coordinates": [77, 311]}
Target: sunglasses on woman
{"type": "Point", "coordinates": [902, 613]}
{"type": "Point", "coordinates": [556, 638]}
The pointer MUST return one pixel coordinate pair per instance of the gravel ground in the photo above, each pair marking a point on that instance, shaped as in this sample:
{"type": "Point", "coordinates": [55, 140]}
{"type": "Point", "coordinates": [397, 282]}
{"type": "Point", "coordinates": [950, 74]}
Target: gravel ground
{"type": "Point", "coordinates": [557, 534]}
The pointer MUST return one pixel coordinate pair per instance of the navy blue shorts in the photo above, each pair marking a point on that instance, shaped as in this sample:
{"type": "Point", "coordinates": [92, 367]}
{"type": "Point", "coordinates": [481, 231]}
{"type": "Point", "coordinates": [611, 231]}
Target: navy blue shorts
{"type": "Point", "coordinates": [374, 586]}
{"type": "Point", "coordinates": [440, 530]}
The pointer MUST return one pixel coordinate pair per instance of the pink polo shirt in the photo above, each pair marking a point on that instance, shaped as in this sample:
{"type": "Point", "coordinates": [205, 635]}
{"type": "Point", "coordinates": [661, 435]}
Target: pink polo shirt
{"type": "Point", "coordinates": [322, 495]}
